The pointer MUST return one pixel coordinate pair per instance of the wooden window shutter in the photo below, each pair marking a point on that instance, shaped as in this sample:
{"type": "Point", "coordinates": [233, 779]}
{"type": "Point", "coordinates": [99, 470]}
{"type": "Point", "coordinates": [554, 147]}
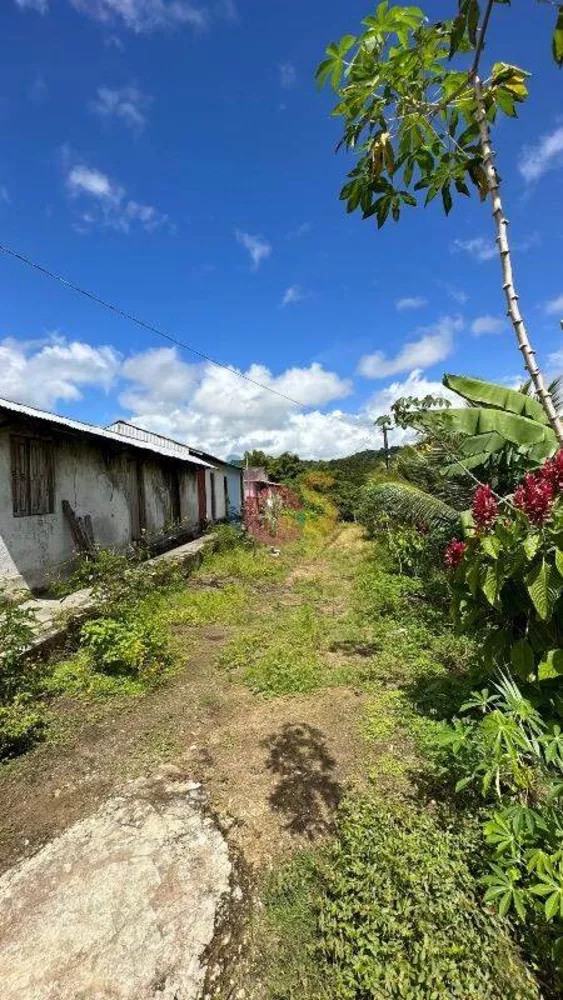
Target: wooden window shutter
{"type": "Point", "coordinates": [33, 485]}
{"type": "Point", "coordinates": [20, 475]}
{"type": "Point", "coordinates": [41, 477]}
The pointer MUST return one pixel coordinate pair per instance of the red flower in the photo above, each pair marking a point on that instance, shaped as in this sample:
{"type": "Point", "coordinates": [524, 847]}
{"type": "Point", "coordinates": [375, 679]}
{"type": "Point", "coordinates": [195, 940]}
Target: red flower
{"type": "Point", "coordinates": [484, 507]}
{"type": "Point", "coordinates": [552, 472]}
{"type": "Point", "coordinates": [535, 497]}
{"type": "Point", "coordinates": [454, 553]}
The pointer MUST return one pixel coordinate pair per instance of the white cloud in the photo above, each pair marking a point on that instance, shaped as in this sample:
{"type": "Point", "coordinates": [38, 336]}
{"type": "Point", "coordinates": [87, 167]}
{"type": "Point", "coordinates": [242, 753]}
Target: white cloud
{"type": "Point", "coordinates": [56, 370]}
{"type": "Point", "coordinates": [415, 302]}
{"type": "Point", "coordinates": [456, 293]}
{"type": "Point", "coordinates": [4, 194]}
{"type": "Point", "coordinates": [41, 6]}
{"type": "Point", "coordinates": [546, 155]}
{"type": "Point", "coordinates": [107, 205]}
{"type": "Point", "coordinates": [478, 247]}
{"type": "Point", "coordinates": [145, 15]}
{"type": "Point", "coordinates": [302, 230]}
{"type": "Point", "coordinates": [114, 42]}
{"type": "Point", "coordinates": [212, 408]}
{"type": "Point", "coordinates": [258, 248]}
{"type": "Point", "coordinates": [434, 344]}
{"type": "Point", "coordinates": [288, 75]}
{"type": "Point", "coordinates": [487, 324]}
{"type": "Point", "coordinates": [128, 104]}
{"type": "Point", "coordinates": [415, 384]}
{"type": "Point", "coordinates": [292, 295]}
{"type": "Point", "coordinates": [554, 307]}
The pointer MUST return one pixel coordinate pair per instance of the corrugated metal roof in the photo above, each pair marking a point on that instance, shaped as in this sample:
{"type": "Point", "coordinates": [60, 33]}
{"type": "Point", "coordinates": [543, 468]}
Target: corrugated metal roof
{"type": "Point", "coordinates": [99, 432]}
{"type": "Point", "coordinates": [132, 430]}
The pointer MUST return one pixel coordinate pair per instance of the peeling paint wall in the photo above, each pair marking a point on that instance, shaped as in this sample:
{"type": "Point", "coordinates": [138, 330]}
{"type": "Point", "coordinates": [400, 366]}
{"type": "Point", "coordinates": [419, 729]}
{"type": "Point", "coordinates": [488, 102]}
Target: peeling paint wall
{"type": "Point", "coordinates": [95, 480]}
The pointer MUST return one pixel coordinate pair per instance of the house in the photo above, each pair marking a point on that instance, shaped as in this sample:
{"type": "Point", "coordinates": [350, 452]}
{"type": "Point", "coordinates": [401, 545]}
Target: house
{"type": "Point", "coordinates": [223, 480]}
{"type": "Point", "coordinates": [63, 481]}
{"type": "Point", "coordinates": [255, 481]}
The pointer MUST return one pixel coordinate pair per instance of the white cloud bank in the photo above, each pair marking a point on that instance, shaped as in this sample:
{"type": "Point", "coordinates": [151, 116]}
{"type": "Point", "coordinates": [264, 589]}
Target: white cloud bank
{"type": "Point", "coordinates": [434, 344]}
{"type": "Point", "coordinates": [57, 369]}
{"type": "Point", "coordinates": [546, 155]}
{"type": "Point", "coordinates": [203, 405]}
{"type": "Point", "coordinates": [477, 247]}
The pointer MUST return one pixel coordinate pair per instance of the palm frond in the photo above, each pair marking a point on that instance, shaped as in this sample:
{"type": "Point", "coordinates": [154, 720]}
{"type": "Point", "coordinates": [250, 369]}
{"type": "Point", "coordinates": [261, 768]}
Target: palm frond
{"type": "Point", "coordinates": [409, 504]}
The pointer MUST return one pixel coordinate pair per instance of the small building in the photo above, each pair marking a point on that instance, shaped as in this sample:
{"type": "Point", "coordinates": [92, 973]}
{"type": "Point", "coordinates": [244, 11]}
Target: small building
{"type": "Point", "coordinates": [63, 481]}
{"type": "Point", "coordinates": [223, 480]}
{"type": "Point", "coordinates": [256, 482]}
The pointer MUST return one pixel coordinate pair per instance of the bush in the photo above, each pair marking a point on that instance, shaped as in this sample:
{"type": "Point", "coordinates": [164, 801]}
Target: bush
{"type": "Point", "coordinates": [399, 916]}
{"type": "Point", "coordinates": [20, 723]}
{"type": "Point", "coordinates": [135, 645]}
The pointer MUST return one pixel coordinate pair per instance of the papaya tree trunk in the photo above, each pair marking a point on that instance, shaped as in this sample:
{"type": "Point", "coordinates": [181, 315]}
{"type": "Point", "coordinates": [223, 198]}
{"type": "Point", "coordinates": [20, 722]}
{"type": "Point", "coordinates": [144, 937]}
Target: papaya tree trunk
{"type": "Point", "coordinates": [501, 224]}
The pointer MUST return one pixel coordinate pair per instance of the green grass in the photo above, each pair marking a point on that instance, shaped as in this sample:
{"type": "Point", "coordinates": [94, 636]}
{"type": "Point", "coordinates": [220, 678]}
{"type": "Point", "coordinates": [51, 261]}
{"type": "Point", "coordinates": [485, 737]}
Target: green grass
{"type": "Point", "coordinates": [389, 910]}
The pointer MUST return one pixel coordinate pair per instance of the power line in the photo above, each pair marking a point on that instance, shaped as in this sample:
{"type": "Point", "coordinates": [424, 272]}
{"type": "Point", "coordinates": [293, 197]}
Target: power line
{"type": "Point", "coordinates": [46, 272]}
{"type": "Point", "coordinates": [142, 323]}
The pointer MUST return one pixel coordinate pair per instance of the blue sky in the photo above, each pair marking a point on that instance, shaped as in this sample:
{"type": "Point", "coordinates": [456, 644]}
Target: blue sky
{"type": "Point", "coordinates": [177, 159]}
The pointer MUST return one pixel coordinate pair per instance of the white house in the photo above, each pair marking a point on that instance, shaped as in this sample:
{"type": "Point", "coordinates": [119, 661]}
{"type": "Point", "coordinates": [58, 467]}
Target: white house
{"type": "Point", "coordinates": [61, 479]}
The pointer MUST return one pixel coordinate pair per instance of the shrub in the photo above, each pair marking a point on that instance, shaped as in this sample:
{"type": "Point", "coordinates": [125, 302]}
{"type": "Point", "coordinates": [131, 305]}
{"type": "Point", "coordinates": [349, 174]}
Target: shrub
{"type": "Point", "coordinates": [135, 645]}
{"type": "Point", "coordinates": [507, 582]}
{"type": "Point", "coordinates": [399, 915]}
{"type": "Point", "coordinates": [20, 723]}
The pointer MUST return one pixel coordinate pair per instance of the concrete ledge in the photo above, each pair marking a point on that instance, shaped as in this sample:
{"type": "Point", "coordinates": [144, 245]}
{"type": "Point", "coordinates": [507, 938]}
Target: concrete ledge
{"type": "Point", "coordinates": [55, 618]}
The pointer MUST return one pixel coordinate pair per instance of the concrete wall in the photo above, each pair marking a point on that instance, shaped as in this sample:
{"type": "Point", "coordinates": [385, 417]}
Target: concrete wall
{"type": "Point", "coordinates": [222, 473]}
{"type": "Point", "coordinates": [95, 479]}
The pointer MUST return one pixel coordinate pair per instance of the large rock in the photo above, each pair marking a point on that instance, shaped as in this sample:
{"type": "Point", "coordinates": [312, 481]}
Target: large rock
{"type": "Point", "coordinates": [120, 907]}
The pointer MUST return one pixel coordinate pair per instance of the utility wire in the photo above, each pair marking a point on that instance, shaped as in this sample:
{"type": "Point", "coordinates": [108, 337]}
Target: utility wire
{"type": "Point", "coordinates": [46, 272]}
{"type": "Point", "coordinates": [142, 323]}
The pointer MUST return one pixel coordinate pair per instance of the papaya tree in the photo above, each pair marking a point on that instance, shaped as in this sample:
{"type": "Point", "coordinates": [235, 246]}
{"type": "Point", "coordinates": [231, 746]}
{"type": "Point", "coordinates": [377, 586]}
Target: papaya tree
{"type": "Point", "coordinates": [419, 122]}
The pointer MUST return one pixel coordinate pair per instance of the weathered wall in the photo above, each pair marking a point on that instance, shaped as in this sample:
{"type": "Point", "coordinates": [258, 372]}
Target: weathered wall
{"type": "Point", "coordinates": [232, 476]}
{"type": "Point", "coordinates": [95, 480]}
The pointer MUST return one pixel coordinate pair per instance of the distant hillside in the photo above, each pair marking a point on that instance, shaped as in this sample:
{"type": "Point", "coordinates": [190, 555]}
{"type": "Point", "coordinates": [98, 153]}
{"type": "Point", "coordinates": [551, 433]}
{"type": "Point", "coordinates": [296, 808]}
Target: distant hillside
{"type": "Point", "coordinates": [353, 468]}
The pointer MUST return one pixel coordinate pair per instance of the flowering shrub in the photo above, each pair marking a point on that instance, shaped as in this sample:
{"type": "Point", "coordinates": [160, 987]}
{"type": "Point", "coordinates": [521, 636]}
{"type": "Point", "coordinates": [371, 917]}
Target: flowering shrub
{"type": "Point", "coordinates": [264, 515]}
{"type": "Point", "coordinates": [484, 507]}
{"type": "Point", "coordinates": [508, 578]}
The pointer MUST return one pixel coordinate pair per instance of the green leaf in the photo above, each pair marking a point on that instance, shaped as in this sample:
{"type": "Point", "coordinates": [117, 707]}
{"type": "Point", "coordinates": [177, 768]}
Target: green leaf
{"type": "Point", "coordinates": [552, 666]}
{"type": "Point", "coordinates": [530, 546]}
{"type": "Point", "coordinates": [490, 585]}
{"type": "Point", "coordinates": [558, 39]}
{"type": "Point", "coordinates": [522, 658]}
{"type": "Point", "coordinates": [559, 560]}
{"type": "Point", "coordinates": [447, 198]}
{"type": "Point", "coordinates": [498, 396]}
{"type": "Point", "coordinates": [544, 585]}
{"type": "Point", "coordinates": [491, 546]}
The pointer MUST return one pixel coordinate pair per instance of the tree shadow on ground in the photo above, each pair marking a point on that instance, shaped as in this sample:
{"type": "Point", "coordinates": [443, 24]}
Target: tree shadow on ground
{"type": "Point", "coordinates": [306, 792]}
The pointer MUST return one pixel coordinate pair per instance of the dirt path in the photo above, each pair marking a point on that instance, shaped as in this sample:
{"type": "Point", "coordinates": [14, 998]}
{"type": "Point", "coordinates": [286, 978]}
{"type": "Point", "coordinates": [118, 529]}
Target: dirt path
{"type": "Point", "coordinates": [275, 768]}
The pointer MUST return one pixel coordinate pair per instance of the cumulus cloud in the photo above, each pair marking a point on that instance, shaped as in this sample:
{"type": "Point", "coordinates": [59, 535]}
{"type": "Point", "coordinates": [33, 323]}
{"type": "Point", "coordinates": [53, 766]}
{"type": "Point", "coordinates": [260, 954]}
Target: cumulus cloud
{"type": "Point", "coordinates": [546, 155]}
{"type": "Point", "coordinates": [212, 408]}
{"type": "Point", "coordinates": [103, 202]}
{"type": "Point", "coordinates": [292, 295]}
{"type": "Point", "coordinates": [258, 248]}
{"type": "Point", "coordinates": [414, 302]}
{"type": "Point", "coordinates": [478, 247]}
{"type": "Point", "coordinates": [433, 344]}
{"type": "Point", "coordinates": [126, 104]}
{"type": "Point", "coordinates": [487, 324]}
{"type": "Point", "coordinates": [54, 370]}
{"type": "Point", "coordinates": [555, 306]}
{"type": "Point", "coordinates": [288, 75]}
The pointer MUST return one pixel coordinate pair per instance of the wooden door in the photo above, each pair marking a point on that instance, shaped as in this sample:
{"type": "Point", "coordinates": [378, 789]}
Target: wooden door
{"type": "Point", "coordinates": [201, 495]}
{"type": "Point", "coordinates": [136, 498]}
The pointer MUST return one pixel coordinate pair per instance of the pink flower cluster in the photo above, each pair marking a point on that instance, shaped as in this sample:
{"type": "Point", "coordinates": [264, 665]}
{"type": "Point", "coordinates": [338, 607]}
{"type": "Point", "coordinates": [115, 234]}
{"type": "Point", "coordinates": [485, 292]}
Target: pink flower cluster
{"type": "Point", "coordinates": [484, 507]}
{"type": "Point", "coordinates": [536, 494]}
{"type": "Point", "coordinates": [454, 553]}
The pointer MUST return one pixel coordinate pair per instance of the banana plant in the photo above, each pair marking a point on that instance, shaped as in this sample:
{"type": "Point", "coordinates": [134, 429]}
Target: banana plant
{"type": "Point", "coordinates": [495, 422]}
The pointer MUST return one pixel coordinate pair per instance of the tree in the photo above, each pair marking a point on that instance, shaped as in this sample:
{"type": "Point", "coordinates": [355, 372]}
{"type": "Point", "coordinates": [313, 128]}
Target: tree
{"type": "Point", "coordinates": [417, 124]}
{"type": "Point", "coordinates": [386, 423]}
